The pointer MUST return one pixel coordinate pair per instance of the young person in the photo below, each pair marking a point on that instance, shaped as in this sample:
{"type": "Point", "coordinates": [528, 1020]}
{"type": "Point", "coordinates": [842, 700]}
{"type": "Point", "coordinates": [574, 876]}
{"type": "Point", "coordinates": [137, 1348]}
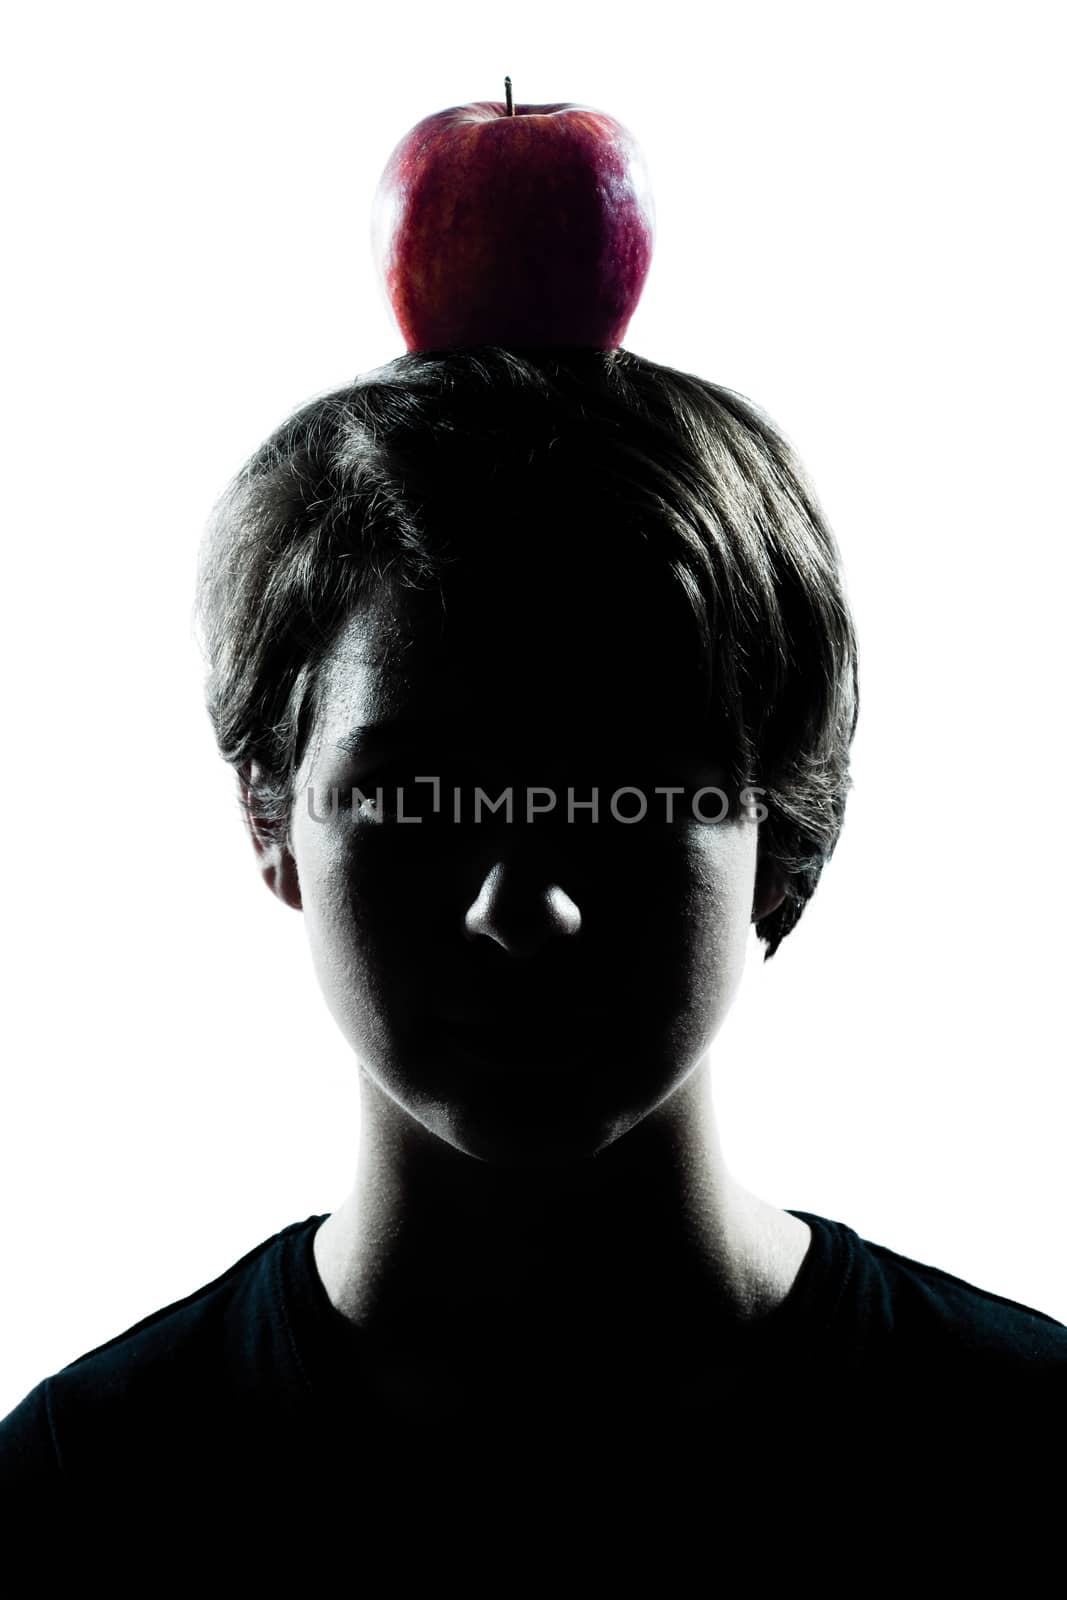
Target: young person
{"type": "Point", "coordinates": [538, 679]}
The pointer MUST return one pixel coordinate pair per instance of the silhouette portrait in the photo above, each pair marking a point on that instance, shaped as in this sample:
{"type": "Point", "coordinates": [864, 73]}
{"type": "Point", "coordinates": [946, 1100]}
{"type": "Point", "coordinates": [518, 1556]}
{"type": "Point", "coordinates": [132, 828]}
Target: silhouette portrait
{"type": "Point", "coordinates": [537, 678]}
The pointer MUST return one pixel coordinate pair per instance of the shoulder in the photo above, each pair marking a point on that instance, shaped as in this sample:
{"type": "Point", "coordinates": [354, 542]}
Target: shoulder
{"type": "Point", "coordinates": [935, 1311]}
{"type": "Point", "coordinates": [870, 1307]}
{"type": "Point", "coordinates": [155, 1378]}
{"type": "Point", "coordinates": [28, 1448]}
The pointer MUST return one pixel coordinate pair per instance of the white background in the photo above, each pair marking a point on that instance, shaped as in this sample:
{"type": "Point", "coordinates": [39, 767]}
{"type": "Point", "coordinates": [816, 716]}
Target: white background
{"type": "Point", "coordinates": [858, 210]}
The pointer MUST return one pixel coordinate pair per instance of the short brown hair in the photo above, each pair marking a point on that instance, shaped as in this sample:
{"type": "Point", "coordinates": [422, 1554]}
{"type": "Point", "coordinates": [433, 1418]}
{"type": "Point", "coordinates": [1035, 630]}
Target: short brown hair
{"type": "Point", "coordinates": [356, 488]}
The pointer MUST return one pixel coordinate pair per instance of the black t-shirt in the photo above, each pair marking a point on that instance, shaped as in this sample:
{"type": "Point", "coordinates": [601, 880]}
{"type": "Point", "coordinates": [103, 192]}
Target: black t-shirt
{"type": "Point", "coordinates": [880, 1386]}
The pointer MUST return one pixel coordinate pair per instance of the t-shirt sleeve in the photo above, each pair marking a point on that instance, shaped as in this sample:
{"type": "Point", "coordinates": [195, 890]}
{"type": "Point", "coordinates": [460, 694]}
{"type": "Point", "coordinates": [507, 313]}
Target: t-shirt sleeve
{"type": "Point", "coordinates": [29, 1458]}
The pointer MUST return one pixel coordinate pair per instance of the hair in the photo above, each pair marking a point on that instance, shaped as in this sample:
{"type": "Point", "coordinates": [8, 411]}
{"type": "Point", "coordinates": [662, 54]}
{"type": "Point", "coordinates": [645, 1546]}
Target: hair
{"type": "Point", "coordinates": [388, 482]}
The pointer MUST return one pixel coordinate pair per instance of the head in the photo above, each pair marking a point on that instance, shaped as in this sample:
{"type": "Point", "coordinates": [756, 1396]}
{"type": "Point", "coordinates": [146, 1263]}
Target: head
{"type": "Point", "coordinates": [550, 574]}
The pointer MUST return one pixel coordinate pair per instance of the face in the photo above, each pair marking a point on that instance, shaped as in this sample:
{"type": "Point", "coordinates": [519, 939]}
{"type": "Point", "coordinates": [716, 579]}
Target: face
{"type": "Point", "coordinates": [526, 990]}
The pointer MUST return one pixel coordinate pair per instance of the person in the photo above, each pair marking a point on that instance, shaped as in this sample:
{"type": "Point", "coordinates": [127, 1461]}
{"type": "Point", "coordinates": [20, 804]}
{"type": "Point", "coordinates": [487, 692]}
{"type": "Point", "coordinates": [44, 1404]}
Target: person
{"type": "Point", "coordinates": [538, 678]}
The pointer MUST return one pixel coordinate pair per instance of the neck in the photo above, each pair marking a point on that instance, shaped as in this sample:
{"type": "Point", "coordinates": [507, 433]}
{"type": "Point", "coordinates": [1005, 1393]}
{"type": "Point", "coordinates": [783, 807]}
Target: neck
{"type": "Point", "coordinates": [650, 1242]}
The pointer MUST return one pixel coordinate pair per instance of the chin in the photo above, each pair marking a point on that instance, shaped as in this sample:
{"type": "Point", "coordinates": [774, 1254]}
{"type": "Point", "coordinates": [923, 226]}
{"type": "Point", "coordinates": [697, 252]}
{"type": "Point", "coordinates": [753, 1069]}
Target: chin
{"type": "Point", "coordinates": [523, 1149]}
{"type": "Point", "coordinates": [528, 1107]}
{"type": "Point", "coordinates": [526, 1120]}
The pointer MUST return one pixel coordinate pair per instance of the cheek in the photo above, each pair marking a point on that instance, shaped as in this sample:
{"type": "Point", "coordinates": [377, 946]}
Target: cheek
{"type": "Point", "coordinates": [342, 920]}
{"type": "Point", "coordinates": [379, 903]}
{"type": "Point", "coordinates": [706, 922]}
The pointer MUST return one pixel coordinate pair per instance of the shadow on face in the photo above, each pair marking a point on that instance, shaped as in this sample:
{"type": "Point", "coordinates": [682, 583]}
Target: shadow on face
{"type": "Point", "coordinates": [525, 987]}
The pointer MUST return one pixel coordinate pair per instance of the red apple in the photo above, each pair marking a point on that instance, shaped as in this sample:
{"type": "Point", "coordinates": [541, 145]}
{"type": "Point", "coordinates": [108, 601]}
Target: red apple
{"type": "Point", "coordinates": [524, 225]}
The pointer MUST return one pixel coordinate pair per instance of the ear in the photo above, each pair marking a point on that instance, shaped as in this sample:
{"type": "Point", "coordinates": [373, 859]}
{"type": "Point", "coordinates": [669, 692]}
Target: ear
{"type": "Point", "coordinates": [770, 888]}
{"type": "Point", "coordinates": [277, 864]}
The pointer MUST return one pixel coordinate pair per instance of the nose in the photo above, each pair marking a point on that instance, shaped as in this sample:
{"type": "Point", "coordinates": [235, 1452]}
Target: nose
{"type": "Point", "coordinates": [521, 909]}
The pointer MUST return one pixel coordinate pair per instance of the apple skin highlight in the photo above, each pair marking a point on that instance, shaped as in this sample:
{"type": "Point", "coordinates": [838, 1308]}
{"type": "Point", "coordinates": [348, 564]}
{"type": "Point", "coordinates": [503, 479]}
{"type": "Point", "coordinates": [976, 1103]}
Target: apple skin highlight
{"type": "Point", "coordinates": [529, 229]}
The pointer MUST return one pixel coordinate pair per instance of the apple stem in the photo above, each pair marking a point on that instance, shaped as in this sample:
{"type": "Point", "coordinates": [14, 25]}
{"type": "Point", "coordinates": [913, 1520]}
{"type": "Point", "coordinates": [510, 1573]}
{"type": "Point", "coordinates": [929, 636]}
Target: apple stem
{"type": "Point", "coordinates": [507, 96]}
